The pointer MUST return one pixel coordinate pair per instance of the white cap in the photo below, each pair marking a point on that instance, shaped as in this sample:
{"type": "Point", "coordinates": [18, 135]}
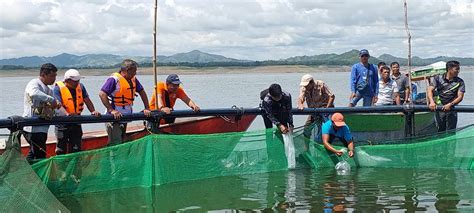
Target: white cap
{"type": "Point", "coordinates": [306, 79]}
{"type": "Point", "coordinates": [72, 74]}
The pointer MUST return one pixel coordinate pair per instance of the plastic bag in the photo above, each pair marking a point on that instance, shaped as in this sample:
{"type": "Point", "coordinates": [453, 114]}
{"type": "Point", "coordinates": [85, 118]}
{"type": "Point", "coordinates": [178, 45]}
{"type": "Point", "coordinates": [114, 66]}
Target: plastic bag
{"type": "Point", "coordinates": [343, 168]}
{"type": "Point", "coordinates": [289, 149]}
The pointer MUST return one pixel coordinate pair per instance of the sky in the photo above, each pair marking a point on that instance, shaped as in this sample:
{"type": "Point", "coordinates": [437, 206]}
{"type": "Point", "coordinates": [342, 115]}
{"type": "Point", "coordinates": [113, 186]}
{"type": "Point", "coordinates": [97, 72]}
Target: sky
{"type": "Point", "coordinates": [242, 29]}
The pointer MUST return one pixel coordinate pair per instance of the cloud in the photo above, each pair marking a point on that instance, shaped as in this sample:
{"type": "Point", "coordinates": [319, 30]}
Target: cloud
{"type": "Point", "coordinates": [247, 29]}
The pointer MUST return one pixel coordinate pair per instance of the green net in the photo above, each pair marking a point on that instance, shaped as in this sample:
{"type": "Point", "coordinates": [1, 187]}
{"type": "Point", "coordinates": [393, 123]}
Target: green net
{"type": "Point", "coordinates": [20, 188]}
{"type": "Point", "coordinates": [162, 159]}
{"type": "Point", "coordinates": [158, 160]}
{"type": "Point", "coordinates": [451, 150]}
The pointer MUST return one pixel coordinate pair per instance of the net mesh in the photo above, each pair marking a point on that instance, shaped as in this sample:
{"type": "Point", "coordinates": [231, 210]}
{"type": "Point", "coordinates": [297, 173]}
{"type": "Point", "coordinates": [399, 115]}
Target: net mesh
{"type": "Point", "coordinates": [20, 188]}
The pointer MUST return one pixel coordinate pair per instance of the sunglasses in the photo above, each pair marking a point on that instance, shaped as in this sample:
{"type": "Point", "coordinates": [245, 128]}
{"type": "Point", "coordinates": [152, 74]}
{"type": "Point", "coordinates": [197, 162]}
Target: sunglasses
{"type": "Point", "coordinates": [362, 56]}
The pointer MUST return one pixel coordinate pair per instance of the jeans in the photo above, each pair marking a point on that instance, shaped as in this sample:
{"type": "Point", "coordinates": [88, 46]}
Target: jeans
{"type": "Point", "coordinates": [367, 99]}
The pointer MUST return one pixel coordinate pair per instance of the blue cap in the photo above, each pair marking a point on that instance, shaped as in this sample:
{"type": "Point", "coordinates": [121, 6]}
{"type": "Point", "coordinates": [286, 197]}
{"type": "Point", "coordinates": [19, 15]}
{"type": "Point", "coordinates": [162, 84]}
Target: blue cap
{"type": "Point", "coordinates": [173, 79]}
{"type": "Point", "coordinates": [364, 52]}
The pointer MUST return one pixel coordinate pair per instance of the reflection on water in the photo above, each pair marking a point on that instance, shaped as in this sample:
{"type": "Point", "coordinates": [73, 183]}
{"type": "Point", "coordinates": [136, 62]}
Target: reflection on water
{"type": "Point", "coordinates": [374, 189]}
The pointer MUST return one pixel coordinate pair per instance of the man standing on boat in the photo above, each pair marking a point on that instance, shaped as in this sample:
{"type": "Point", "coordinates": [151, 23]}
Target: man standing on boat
{"type": "Point", "coordinates": [39, 101]}
{"type": "Point", "coordinates": [402, 83]}
{"type": "Point", "coordinates": [450, 89]}
{"type": "Point", "coordinates": [364, 81]}
{"type": "Point", "coordinates": [337, 128]}
{"type": "Point", "coordinates": [167, 94]}
{"type": "Point", "coordinates": [118, 94]}
{"type": "Point", "coordinates": [72, 95]}
{"type": "Point", "coordinates": [317, 95]}
{"type": "Point", "coordinates": [388, 89]}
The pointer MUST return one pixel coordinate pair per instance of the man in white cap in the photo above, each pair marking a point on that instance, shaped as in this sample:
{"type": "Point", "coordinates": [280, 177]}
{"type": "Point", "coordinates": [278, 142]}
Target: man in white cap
{"type": "Point", "coordinates": [73, 95]}
{"type": "Point", "coordinates": [316, 94]}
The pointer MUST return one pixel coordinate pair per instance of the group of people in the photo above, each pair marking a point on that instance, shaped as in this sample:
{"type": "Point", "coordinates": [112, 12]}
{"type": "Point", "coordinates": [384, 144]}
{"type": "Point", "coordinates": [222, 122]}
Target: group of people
{"type": "Point", "coordinates": [68, 97]}
{"type": "Point", "coordinates": [390, 88]}
{"type": "Point", "coordinates": [118, 93]}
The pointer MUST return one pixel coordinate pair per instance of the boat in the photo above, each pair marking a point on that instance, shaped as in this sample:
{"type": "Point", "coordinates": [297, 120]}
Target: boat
{"type": "Point", "coordinates": [373, 127]}
{"type": "Point", "coordinates": [182, 126]}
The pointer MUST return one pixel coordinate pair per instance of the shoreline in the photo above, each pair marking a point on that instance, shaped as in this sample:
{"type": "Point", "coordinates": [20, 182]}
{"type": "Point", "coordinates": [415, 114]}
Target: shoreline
{"type": "Point", "coordinates": [193, 70]}
{"type": "Point", "coordinates": [205, 70]}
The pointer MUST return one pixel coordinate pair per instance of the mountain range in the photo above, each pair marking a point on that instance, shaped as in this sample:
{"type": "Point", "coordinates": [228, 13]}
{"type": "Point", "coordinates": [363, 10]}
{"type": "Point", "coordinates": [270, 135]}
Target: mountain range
{"type": "Point", "coordinates": [197, 58]}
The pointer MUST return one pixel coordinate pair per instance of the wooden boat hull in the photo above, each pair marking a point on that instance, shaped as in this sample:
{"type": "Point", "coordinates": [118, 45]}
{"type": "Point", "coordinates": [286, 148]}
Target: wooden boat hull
{"type": "Point", "coordinates": [199, 125]}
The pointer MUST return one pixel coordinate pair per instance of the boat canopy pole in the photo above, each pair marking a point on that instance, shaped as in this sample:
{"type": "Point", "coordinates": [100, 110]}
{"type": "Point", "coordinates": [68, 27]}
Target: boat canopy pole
{"type": "Point", "coordinates": [16, 122]}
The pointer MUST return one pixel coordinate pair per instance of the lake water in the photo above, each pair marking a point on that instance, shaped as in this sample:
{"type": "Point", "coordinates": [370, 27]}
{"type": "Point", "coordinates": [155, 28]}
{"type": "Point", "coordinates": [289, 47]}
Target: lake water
{"type": "Point", "coordinates": [302, 190]}
{"type": "Point", "coordinates": [214, 91]}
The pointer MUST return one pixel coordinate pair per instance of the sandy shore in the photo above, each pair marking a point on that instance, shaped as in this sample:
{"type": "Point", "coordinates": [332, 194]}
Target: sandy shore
{"type": "Point", "coordinates": [194, 70]}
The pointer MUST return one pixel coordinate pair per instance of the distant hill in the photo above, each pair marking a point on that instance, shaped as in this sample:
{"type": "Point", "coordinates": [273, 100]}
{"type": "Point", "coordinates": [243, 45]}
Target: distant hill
{"type": "Point", "coordinates": [197, 58]}
{"type": "Point", "coordinates": [109, 60]}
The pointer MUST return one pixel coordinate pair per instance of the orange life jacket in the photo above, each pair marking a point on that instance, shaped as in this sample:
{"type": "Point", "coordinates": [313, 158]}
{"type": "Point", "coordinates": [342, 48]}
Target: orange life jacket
{"type": "Point", "coordinates": [68, 101]}
{"type": "Point", "coordinates": [126, 95]}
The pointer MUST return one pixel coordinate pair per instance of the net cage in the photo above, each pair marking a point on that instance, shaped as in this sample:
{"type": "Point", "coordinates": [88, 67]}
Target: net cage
{"type": "Point", "coordinates": [163, 159]}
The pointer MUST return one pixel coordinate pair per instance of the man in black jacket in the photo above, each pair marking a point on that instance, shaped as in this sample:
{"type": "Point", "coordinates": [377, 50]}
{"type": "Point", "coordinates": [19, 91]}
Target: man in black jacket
{"type": "Point", "coordinates": [277, 106]}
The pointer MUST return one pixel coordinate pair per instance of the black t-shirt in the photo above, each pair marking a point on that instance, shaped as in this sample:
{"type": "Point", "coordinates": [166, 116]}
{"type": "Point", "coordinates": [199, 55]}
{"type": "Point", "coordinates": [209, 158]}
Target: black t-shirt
{"type": "Point", "coordinates": [447, 90]}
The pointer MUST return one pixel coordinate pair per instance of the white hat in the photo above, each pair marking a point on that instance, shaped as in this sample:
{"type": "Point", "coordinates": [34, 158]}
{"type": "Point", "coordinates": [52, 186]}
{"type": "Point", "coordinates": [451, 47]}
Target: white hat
{"type": "Point", "coordinates": [306, 79]}
{"type": "Point", "coordinates": [72, 74]}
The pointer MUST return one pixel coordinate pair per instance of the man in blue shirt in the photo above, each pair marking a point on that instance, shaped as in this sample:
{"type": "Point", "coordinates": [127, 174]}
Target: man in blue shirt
{"type": "Point", "coordinates": [336, 127]}
{"type": "Point", "coordinates": [364, 81]}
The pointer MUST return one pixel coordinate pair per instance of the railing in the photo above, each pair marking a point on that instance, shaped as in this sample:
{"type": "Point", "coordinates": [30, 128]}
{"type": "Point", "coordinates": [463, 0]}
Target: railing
{"type": "Point", "coordinates": [17, 122]}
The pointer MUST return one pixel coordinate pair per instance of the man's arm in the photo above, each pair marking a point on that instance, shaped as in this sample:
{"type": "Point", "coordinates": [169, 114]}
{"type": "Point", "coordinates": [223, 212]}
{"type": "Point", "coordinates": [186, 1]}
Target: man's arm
{"type": "Point", "coordinates": [35, 93]}
{"type": "Point", "coordinates": [144, 98]}
{"type": "Point", "coordinates": [90, 106]}
{"type": "Point", "coordinates": [353, 82]}
{"type": "Point", "coordinates": [301, 98]}
{"type": "Point", "coordinates": [329, 147]}
{"type": "Point", "coordinates": [269, 113]}
{"type": "Point", "coordinates": [397, 98]}
{"type": "Point", "coordinates": [431, 102]}
{"type": "Point", "coordinates": [105, 101]}
{"type": "Point", "coordinates": [191, 103]}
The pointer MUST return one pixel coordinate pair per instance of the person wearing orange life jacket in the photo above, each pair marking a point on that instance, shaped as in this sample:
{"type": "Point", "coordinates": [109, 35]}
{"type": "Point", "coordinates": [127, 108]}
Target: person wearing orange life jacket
{"type": "Point", "coordinates": [118, 95]}
{"type": "Point", "coordinates": [73, 95]}
{"type": "Point", "coordinates": [167, 94]}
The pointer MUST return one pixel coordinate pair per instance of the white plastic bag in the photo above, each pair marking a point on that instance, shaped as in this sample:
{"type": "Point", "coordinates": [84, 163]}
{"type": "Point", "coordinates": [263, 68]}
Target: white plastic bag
{"type": "Point", "coordinates": [343, 167]}
{"type": "Point", "coordinates": [289, 149]}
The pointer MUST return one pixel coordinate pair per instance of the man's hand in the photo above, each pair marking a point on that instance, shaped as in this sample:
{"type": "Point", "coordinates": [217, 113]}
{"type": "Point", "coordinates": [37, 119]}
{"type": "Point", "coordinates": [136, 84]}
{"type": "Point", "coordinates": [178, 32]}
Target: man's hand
{"type": "Point", "coordinates": [166, 110]}
{"type": "Point", "coordinates": [117, 115]}
{"type": "Point", "coordinates": [147, 112]}
{"type": "Point", "coordinates": [375, 99]}
{"type": "Point", "coordinates": [71, 114]}
{"type": "Point", "coordinates": [56, 104]}
{"type": "Point", "coordinates": [351, 153]}
{"type": "Point", "coordinates": [352, 96]}
{"type": "Point", "coordinates": [283, 129]}
{"type": "Point", "coordinates": [95, 113]}
{"type": "Point", "coordinates": [196, 108]}
{"type": "Point", "coordinates": [447, 107]}
{"type": "Point", "coordinates": [432, 106]}
{"type": "Point", "coordinates": [300, 106]}
{"type": "Point", "coordinates": [338, 152]}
